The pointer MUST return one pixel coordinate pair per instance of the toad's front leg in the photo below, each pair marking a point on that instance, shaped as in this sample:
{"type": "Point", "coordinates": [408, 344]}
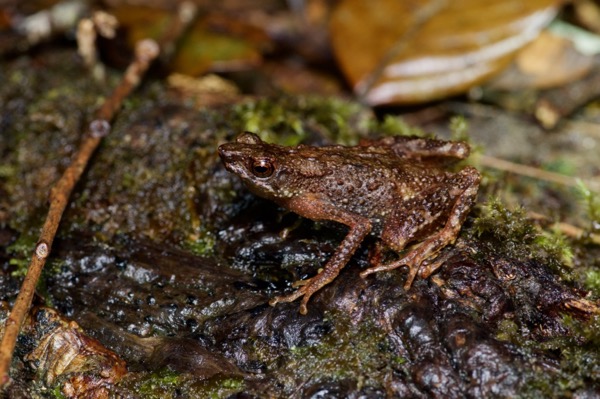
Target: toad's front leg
{"type": "Point", "coordinates": [359, 228]}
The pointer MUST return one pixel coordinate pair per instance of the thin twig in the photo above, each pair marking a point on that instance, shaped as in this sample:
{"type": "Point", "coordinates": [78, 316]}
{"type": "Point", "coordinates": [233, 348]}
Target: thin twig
{"type": "Point", "coordinates": [146, 51]}
{"type": "Point", "coordinates": [567, 229]}
{"type": "Point", "coordinates": [536, 173]}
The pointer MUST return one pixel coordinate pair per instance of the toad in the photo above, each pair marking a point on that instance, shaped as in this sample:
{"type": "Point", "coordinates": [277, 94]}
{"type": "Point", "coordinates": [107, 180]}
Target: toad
{"type": "Point", "coordinates": [395, 188]}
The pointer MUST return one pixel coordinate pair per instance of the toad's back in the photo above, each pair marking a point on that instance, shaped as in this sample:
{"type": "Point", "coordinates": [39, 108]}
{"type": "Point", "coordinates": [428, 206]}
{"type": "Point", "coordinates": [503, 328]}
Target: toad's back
{"type": "Point", "coordinates": [364, 181]}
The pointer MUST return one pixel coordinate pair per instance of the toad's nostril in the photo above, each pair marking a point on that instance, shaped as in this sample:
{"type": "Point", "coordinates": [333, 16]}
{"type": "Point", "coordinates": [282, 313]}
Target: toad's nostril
{"type": "Point", "coordinates": [223, 152]}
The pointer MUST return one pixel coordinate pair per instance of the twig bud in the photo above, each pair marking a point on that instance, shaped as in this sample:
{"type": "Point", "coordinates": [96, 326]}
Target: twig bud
{"type": "Point", "coordinates": [99, 128]}
{"type": "Point", "coordinates": [41, 250]}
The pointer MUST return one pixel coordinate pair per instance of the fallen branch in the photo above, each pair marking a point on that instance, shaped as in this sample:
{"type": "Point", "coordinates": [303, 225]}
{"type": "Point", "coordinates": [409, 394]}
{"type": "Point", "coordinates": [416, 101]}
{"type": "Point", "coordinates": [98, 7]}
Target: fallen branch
{"type": "Point", "coordinates": [145, 52]}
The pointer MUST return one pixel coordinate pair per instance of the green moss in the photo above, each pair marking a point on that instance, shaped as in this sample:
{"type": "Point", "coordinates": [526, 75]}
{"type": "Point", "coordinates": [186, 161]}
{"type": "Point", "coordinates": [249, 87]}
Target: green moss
{"type": "Point", "coordinates": [542, 385]}
{"type": "Point", "coordinates": [168, 384]}
{"type": "Point", "coordinates": [592, 204]}
{"type": "Point", "coordinates": [508, 227]}
{"type": "Point", "coordinates": [459, 128]}
{"type": "Point", "coordinates": [158, 385]}
{"type": "Point", "coordinates": [57, 393]}
{"type": "Point", "coordinates": [579, 359]}
{"type": "Point", "coordinates": [221, 387]}
{"type": "Point", "coordinates": [512, 233]}
{"type": "Point", "coordinates": [592, 281]}
{"type": "Point", "coordinates": [577, 354]}
{"type": "Point", "coordinates": [289, 120]}
{"type": "Point", "coordinates": [555, 245]}
{"type": "Point", "coordinates": [17, 78]}
{"type": "Point", "coordinates": [202, 243]}
{"type": "Point", "coordinates": [21, 251]}
{"type": "Point", "coordinates": [357, 352]}
{"type": "Point", "coordinates": [395, 126]}
{"type": "Point", "coordinates": [585, 331]}
{"type": "Point", "coordinates": [345, 120]}
{"type": "Point", "coordinates": [7, 171]}
{"type": "Point", "coordinates": [508, 331]}
{"type": "Point", "coordinates": [581, 366]}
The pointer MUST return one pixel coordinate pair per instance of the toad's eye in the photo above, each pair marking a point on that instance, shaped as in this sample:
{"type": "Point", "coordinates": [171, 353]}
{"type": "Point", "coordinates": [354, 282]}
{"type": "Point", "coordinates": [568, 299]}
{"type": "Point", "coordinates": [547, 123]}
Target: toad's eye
{"type": "Point", "coordinates": [262, 167]}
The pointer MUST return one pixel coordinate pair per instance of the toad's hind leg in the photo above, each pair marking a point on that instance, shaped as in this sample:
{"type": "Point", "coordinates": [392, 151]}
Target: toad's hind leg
{"type": "Point", "coordinates": [411, 147]}
{"type": "Point", "coordinates": [420, 214]}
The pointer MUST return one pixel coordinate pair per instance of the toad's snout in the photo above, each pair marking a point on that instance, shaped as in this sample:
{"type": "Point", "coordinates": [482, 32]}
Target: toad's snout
{"type": "Point", "coordinates": [223, 153]}
{"type": "Point", "coordinates": [232, 158]}
{"type": "Point", "coordinates": [227, 154]}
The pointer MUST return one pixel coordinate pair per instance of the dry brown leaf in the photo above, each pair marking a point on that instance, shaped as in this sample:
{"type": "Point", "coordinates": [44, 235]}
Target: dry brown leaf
{"type": "Point", "coordinates": [413, 51]}
{"type": "Point", "coordinates": [207, 91]}
{"type": "Point", "coordinates": [548, 61]}
{"type": "Point", "coordinates": [587, 13]}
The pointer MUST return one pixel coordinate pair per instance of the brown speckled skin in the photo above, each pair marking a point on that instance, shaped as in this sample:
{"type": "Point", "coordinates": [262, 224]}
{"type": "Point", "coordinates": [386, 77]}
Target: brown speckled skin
{"type": "Point", "coordinates": [394, 188]}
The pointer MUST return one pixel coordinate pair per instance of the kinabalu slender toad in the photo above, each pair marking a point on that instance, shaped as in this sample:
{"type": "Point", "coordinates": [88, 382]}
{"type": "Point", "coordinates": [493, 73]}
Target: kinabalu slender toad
{"type": "Point", "coordinates": [395, 188]}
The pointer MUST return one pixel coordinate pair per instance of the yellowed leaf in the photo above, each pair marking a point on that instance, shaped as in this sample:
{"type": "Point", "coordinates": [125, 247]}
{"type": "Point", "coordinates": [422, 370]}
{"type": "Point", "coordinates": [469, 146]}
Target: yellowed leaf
{"type": "Point", "coordinates": [213, 43]}
{"type": "Point", "coordinates": [418, 50]}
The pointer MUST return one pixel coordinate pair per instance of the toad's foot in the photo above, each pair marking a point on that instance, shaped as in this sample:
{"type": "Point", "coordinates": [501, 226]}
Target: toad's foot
{"type": "Point", "coordinates": [307, 288]}
{"type": "Point", "coordinates": [416, 265]}
{"type": "Point", "coordinates": [429, 266]}
{"type": "Point", "coordinates": [412, 260]}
